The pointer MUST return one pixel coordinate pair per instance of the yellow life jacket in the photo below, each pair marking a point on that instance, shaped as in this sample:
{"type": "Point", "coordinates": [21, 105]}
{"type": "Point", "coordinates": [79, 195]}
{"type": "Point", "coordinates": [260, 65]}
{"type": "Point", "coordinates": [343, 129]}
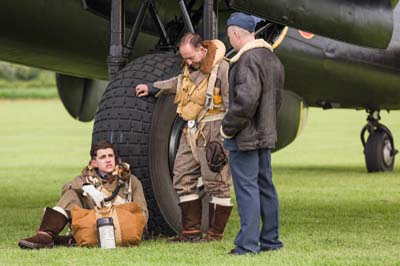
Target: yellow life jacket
{"type": "Point", "coordinates": [189, 97]}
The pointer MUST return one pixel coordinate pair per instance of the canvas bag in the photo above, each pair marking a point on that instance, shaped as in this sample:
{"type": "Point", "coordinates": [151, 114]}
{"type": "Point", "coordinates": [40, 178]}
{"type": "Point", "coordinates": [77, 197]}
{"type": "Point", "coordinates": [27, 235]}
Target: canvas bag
{"type": "Point", "coordinates": [129, 222]}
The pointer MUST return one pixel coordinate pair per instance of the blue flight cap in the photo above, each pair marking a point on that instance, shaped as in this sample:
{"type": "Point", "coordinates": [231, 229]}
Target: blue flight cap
{"type": "Point", "coordinates": [241, 20]}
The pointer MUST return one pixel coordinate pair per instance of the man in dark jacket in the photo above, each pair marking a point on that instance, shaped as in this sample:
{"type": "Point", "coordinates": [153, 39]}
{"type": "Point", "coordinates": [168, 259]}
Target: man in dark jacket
{"type": "Point", "coordinates": [256, 80]}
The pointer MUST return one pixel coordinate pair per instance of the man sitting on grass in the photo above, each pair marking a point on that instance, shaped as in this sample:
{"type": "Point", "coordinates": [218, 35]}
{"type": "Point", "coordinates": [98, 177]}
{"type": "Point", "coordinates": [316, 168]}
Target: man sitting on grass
{"type": "Point", "coordinates": [93, 187]}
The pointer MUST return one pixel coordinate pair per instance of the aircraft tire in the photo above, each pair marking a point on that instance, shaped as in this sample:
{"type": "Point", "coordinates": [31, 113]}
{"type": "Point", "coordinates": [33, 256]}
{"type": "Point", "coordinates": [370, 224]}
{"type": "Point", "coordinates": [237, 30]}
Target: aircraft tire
{"type": "Point", "coordinates": [377, 152]}
{"type": "Point", "coordinates": [140, 129]}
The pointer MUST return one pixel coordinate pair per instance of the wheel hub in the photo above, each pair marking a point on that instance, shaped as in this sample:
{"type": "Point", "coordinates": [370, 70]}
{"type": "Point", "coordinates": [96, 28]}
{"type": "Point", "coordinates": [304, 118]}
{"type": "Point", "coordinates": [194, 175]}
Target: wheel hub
{"type": "Point", "coordinates": [387, 153]}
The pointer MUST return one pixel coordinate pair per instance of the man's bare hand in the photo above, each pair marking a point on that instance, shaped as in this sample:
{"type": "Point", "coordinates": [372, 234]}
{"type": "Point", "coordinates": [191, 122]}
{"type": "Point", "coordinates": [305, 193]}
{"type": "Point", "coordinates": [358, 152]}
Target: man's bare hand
{"type": "Point", "coordinates": [142, 90]}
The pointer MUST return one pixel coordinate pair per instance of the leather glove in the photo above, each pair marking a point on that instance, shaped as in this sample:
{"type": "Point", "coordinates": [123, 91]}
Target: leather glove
{"type": "Point", "coordinates": [97, 196]}
{"type": "Point", "coordinates": [216, 156]}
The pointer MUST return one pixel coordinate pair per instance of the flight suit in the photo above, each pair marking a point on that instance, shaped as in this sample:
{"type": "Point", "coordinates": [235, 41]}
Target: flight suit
{"type": "Point", "coordinates": [55, 219]}
{"type": "Point", "coordinates": [72, 193]}
{"type": "Point", "coordinates": [202, 127]}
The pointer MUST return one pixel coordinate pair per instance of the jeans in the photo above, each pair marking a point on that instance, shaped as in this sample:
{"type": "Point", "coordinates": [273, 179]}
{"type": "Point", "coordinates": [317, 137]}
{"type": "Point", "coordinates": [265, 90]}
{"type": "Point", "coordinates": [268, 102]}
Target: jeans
{"type": "Point", "coordinates": [256, 198]}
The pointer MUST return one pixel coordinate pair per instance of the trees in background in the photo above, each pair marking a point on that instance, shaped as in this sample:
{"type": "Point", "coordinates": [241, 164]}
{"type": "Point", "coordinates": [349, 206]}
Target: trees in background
{"type": "Point", "coordinates": [13, 72]}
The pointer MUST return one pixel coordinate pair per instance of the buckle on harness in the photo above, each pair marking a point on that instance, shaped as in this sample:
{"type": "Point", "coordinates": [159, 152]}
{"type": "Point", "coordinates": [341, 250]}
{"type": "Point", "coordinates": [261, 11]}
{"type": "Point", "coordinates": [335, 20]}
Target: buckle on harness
{"type": "Point", "coordinates": [191, 124]}
{"type": "Point", "coordinates": [209, 99]}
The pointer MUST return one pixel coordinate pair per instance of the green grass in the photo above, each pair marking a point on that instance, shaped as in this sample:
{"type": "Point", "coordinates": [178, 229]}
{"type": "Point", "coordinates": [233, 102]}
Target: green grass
{"type": "Point", "coordinates": [332, 211]}
{"type": "Point", "coordinates": [31, 93]}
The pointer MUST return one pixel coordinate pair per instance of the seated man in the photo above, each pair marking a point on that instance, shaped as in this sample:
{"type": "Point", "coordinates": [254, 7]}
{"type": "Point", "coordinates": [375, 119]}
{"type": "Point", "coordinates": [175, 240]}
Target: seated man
{"type": "Point", "coordinates": [104, 175]}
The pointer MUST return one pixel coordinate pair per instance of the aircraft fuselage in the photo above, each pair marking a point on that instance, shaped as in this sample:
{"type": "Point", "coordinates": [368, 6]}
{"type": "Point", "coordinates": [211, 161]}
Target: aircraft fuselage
{"type": "Point", "coordinates": [63, 37]}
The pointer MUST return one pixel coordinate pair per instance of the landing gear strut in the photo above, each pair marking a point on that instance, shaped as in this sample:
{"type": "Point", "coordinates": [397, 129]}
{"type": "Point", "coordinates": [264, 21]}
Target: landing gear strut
{"type": "Point", "coordinates": [379, 148]}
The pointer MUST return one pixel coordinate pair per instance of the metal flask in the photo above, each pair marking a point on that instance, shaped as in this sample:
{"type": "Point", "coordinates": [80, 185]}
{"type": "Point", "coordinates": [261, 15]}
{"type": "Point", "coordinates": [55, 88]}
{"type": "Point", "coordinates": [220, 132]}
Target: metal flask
{"type": "Point", "coordinates": [105, 230]}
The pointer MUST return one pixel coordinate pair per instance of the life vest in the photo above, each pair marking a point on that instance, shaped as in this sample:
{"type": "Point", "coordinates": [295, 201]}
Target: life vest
{"type": "Point", "coordinates": [189, 97]}
{"type": "Point", "coordinates": [196, 101]}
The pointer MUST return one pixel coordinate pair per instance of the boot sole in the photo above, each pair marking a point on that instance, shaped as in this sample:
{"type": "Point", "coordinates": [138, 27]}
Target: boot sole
{"type": "Point", "coordinates": [29, 245]}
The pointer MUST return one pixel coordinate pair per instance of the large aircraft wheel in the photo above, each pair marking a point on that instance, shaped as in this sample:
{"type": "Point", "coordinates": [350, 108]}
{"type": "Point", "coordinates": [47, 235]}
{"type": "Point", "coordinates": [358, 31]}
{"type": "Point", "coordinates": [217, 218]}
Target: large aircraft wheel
{"type": "Point", "coordinates": [378, 150]}
{"type": "Point", "coordinates": [145, 132]}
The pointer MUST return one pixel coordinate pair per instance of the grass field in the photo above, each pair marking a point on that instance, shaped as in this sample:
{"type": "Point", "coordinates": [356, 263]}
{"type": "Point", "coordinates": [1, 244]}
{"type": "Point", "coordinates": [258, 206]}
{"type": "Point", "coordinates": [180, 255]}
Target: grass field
{"type": "Point", "coordinates": [332, 211]}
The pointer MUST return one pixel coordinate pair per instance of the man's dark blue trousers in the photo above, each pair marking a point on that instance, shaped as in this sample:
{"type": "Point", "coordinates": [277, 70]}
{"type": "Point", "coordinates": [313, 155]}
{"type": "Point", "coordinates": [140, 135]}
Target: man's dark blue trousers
{"type": "Point", "coordinates": [256, 198]}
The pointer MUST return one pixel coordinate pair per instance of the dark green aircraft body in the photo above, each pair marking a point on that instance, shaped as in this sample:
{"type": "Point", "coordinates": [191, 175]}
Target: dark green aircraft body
{"type": "Point", "coordinates": [352, 61]}
{"type": "Point", "coordinates": [63, 37]}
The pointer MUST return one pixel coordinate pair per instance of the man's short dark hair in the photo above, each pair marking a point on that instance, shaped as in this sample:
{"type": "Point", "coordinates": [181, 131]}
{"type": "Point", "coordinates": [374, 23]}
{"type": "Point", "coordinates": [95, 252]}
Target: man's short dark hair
{"type": "Point", "coordinates": [191, 38]}
{"type": "Point", "coordinates": [102, 144]}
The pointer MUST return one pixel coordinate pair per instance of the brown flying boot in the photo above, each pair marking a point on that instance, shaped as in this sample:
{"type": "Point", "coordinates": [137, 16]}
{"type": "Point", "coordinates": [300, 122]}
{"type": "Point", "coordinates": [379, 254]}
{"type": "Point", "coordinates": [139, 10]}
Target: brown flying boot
{"type": "Point", "coordinates": [191, 222]}
{"type": "Point", "coordinates": [64, 241]}
{"type": "Point", "coordinates": [218, 218]}
{"type": "Point", "coordinates": [52, 224]}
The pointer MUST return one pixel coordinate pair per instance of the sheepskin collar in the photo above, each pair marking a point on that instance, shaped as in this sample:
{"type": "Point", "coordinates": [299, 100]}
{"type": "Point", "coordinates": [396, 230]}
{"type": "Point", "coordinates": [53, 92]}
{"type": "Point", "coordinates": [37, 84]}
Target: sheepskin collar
{"type": "Point", "coordinates": [258, 43]}
{"type": "Point", "coordinates": [215, 53]}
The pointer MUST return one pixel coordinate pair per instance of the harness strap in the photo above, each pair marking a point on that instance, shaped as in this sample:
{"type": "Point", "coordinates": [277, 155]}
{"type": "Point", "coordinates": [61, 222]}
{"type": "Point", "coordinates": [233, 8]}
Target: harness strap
{"type": "Point", "coordinates": [211, 118]}
{"type": "Point", "coordinates": [130, 196]}
{"type": "Point", "coordinates": [209, 104]}
{"type": "Point", "coordinates": [117, 225]}
{"type": "Point", "coordinates": [110, 212]}
{"type": "Point", "coordinates": [192, 135]}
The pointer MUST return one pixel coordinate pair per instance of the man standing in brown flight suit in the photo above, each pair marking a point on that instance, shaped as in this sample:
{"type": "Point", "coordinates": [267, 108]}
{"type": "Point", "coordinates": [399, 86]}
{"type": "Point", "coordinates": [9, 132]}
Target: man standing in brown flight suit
{"type": "Point", "coordinates": [202, 99]}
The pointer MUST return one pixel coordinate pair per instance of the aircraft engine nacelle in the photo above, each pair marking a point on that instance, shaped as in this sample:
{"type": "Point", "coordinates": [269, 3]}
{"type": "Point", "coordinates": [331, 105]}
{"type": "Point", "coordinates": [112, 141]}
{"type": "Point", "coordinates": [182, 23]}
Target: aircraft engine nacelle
{"type": "Point", "coordinates": [291, 118]}
{"type": "Point", "coordinates": [80, 96]}
{"type": "Point", "coordinates": [366, 22]}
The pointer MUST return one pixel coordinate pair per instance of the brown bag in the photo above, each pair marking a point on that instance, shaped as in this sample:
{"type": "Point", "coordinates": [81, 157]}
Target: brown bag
{"type": "Point", "coordinates": [129, 222]}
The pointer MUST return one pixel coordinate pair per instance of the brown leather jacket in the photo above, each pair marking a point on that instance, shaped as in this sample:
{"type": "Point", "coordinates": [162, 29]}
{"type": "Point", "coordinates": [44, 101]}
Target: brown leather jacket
{"type": "Point", "coordinates": [256, 79]}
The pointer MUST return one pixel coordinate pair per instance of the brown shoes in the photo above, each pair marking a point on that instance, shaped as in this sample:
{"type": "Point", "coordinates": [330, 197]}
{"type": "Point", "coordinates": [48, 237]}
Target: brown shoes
{"type": "Point", "coordinates": [191, 222]}
{"type": "Point", "coordinates": [64, 241]}
{"type": "Point", "coordinates": [192, 237]}
{"type": "Point", "coordinates": [52, 224]}
{"type": "Point", "coordinates": [218, 218]}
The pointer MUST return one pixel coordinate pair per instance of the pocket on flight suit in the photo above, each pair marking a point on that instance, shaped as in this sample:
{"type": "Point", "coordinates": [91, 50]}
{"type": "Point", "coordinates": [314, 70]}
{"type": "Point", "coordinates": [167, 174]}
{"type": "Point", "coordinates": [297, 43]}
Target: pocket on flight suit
{"type": "Point", "coordinates": [210, 133]}
{"type": "Point", "coordinates": [215, 134]}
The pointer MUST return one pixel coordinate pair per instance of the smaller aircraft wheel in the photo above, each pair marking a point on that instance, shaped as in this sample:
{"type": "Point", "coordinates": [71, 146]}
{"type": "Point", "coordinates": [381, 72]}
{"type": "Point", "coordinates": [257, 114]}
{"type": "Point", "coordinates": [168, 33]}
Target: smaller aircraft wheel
{"type": "Point", "coordinates": [378, 152]}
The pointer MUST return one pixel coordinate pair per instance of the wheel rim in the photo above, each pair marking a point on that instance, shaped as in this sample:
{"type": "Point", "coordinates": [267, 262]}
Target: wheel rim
{"type": "Point", "coordinates": [387, 151]}
{"type": "Point", "coordinates": [174, 139]}
{"type": "Point", "coordinates": [175, 136]}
